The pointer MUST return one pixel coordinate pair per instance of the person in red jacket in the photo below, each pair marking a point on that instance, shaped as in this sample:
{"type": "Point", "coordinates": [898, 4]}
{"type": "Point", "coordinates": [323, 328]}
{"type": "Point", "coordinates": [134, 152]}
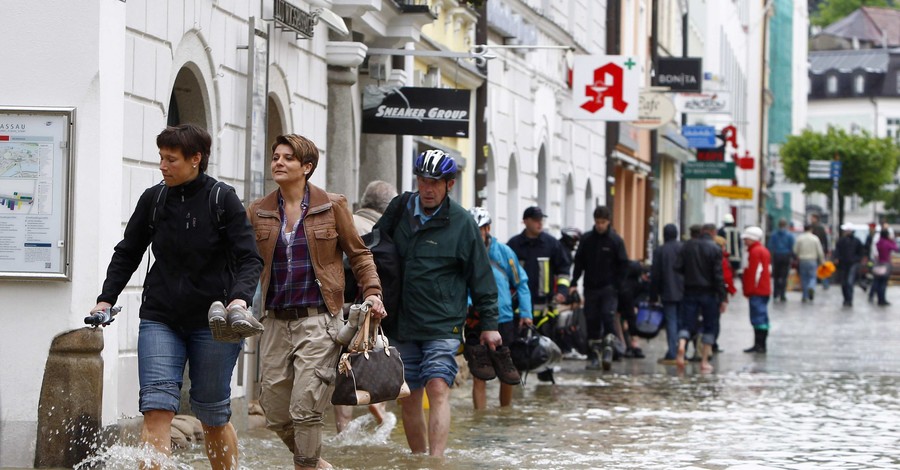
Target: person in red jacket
{"type": "Point", "coordinates": [757, 283]}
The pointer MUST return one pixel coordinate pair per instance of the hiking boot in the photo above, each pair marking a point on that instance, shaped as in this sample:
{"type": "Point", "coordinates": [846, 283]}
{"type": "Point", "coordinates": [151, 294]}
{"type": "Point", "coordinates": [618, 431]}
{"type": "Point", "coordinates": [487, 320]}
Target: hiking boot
{"type": "Point", "coordinates": [242, 322]}
{"type": "Point", "coordinates": [504, 367]}
{"type": "Point", "coordinates": [479, 359]}
{"type": "Point", "coordinates": [606, 356]}
{"type": "Point", "coordinates": [219, 325]}
{"type": "Point", "coordinates": [594, 365]}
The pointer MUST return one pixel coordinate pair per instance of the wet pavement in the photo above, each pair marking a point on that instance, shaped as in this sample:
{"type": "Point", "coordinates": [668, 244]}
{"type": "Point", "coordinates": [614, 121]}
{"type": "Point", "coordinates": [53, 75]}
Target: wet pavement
{"type": "Point", "coordinates": [825, 395]}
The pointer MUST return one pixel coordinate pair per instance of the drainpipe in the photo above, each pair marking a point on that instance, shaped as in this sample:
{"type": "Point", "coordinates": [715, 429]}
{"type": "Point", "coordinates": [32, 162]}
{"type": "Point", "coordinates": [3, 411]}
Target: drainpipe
{"type": "Point", "coordinates": [651, 204]}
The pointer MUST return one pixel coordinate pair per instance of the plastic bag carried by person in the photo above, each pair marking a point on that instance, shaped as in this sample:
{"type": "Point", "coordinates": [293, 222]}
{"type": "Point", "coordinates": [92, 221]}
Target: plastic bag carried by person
{"type": "Point", "coordinates": [825, 270]}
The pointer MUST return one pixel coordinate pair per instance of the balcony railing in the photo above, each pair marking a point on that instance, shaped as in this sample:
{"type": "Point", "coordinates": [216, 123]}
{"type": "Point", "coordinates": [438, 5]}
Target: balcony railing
{"type": "Point", "coordinates": [413, 6]}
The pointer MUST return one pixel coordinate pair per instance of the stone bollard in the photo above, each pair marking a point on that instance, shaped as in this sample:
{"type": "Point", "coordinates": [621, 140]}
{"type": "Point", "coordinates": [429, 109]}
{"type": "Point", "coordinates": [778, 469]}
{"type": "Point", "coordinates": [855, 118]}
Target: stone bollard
{"type": "Point", "coordinates": [69, 411]}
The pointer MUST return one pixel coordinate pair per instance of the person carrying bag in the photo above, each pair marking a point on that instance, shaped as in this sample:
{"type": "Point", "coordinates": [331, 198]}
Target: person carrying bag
{"type": "Point", "coordinates": [371, 371]}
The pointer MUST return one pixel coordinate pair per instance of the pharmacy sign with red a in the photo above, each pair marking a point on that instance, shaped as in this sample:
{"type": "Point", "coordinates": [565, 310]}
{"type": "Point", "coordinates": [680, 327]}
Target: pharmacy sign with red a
{"type": "Point", "coordinates": [605, 88]}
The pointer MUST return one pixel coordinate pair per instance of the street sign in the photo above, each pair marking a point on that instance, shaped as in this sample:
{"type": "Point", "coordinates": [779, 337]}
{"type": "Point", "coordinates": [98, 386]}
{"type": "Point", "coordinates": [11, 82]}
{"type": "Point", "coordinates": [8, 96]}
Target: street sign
{"type": "Point", "coordinates": [700, 137]}
{"type": "Point", "coordinates": [819, 169]}
{"type": "Point", "coordinates": [709, 170]}
{"type": "Point", "coordinates": [731, 192]}
{"type": "Point", "coordinates": [836, 169]}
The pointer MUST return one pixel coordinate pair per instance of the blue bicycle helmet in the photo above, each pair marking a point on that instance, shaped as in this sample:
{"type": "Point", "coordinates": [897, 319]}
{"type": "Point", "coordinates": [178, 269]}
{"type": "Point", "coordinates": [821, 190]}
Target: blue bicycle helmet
{"type": "Point", "coordinates": [435, 164]}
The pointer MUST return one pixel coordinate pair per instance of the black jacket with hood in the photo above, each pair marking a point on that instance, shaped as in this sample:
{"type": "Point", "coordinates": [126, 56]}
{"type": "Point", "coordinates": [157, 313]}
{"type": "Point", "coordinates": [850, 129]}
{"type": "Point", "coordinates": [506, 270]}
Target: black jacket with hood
{"type": "Point", "coordinates": [191, 268]}
{"type": "Point", "coordinates": [666, 284]}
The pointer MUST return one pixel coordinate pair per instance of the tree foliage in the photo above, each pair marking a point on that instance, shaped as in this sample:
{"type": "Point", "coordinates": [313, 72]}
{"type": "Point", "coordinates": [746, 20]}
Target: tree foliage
{"type": "Point", "coordinates": [830, 11]}
{"type": "Point", "coordinates": [867, 163]}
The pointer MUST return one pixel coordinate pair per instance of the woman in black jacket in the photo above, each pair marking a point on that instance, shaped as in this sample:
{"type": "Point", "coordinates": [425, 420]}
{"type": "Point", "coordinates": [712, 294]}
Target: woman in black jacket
{"type": "Point", "coordinates": [205, 252]}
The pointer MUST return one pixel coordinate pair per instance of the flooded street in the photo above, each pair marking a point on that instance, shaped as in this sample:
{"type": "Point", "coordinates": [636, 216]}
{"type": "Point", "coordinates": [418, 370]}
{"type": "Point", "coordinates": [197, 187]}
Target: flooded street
{"type": "Point", "coordinates": [826, 395]}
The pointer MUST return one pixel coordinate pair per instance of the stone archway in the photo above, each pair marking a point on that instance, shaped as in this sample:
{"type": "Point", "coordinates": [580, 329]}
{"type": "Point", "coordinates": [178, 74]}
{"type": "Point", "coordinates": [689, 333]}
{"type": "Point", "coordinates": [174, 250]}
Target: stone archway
{"type": "Point", "coordinates": [187, 103]}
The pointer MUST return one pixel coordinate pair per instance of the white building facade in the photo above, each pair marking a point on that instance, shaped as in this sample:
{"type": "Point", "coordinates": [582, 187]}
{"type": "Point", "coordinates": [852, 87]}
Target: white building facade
{"type": "Point", "coordinates": [729, 36]}
{"type": "Point", "coordinates": [539, 155]}
{"type": "Point", "coordinates": [129, 69]}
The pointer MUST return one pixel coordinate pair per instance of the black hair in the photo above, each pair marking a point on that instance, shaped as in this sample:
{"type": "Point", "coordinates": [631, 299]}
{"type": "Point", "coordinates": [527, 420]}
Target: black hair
{"type": "Point", "coordinates": [190, 139]}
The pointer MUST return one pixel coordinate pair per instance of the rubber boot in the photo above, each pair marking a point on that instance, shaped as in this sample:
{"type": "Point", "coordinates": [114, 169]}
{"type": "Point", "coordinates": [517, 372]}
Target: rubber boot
{"type": "Point", "coordinates": [758, 342]}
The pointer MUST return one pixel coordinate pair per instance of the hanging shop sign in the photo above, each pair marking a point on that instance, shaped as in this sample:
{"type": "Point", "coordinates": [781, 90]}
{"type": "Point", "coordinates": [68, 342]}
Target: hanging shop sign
{"type": "Point", "coordinates": [416, 111]}
{"type": "Point", "coordinates": [654, 111]}
{"type": "Point", "coordinates": [731, 192]}
{"type": "Point", "coordinates": [710, 102]}
{"type": "Point", "coordinates": [605, 88]}
{"type": "Point", "coordinates": [679, 73]}
{"type": "Point", "coordinates": [289, 17]}
{"type": "Point", "coordinates": [700, 137]}
{"type": "Point", "coordinates": [708, 170]}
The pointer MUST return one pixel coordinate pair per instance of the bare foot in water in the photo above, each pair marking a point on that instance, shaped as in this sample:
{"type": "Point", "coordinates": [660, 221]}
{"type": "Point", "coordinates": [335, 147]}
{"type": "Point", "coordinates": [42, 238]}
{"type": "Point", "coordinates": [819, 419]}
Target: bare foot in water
{"type": "Point", "coordinates": [323, 464]}
{"type": "Point", "coordinates": [706, 367]}
{"type": "Point", "coordinates": [377, 411]}
{"type": "Point", "coordinates": [679, 356]}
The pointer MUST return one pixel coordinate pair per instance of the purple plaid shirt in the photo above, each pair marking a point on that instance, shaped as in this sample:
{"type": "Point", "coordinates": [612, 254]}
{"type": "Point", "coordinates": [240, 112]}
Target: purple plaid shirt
{"type": "Point", "coordinates": [293, 281]}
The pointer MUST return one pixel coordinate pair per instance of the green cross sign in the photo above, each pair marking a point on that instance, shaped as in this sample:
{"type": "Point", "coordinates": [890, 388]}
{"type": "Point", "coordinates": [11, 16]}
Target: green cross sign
{"type": "Point", "coordinates": [630, 63]}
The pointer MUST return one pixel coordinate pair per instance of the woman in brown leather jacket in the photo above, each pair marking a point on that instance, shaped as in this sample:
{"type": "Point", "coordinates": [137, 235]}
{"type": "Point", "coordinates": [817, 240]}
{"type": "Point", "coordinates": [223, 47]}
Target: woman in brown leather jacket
{"type": "Point", "coordinates": [302, 233]}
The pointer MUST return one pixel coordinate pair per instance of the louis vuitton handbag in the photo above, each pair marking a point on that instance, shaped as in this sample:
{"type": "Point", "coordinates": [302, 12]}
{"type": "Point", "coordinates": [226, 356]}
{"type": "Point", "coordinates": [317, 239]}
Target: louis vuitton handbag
{"type": "Point", "coordinates": [371, 371]}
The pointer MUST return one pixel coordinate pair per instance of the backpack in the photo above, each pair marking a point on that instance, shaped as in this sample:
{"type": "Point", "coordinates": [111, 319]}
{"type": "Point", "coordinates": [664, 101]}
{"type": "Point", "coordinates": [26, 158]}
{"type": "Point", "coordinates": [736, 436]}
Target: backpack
{"type": "Point", "coordinates": [388, 265]}
{"type": "Point", "coordinates": [216, 204]}
{"type": "Point", "coordinates": [216, 210]}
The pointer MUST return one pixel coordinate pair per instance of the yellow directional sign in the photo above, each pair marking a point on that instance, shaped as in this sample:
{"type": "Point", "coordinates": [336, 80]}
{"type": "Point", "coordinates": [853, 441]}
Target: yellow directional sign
{"type": "Point", "coordinates": [731, 192]}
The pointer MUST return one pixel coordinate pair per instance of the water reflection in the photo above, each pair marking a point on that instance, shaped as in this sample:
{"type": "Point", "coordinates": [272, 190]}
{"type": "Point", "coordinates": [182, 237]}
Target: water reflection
{"type": "Point", "coordinates": [826, 395]}
{"type": "Point", "coordinates": [727, 421]}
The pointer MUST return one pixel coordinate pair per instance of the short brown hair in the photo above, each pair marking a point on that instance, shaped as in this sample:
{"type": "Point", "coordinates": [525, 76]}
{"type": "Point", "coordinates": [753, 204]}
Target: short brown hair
{"type": "Point", "coordinates": [189, 139]}
{"type": "Point", "coordinates": [602, 212]}
{"type": "Point", "coordinates": [302, 148]}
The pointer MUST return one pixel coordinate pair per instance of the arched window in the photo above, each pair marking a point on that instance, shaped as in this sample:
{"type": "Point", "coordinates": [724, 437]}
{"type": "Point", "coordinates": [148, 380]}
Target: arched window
{"type": "Point", "coordinates": [831, 85]}
{"type": "Point", "coordinates": [859, 84]}
{"type": "Point", "coordinates": [543, 178]}
{"type": "Point", "coordinates": [513, 216]}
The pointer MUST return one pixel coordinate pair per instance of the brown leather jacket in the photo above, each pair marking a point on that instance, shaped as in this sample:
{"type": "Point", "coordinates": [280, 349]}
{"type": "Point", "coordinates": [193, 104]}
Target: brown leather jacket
{"type": "Point", "coordinates": [330, 233]}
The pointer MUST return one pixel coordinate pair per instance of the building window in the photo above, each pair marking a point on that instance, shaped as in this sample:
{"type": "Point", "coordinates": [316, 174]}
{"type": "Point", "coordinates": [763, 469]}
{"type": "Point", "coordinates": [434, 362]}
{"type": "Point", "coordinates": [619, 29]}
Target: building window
{"type": "Point", "coordinates": [893, 129]}
{"type": "Point", "coordinates": [831, 85]}
{"type": "Point", "coordinates": [859, 84]}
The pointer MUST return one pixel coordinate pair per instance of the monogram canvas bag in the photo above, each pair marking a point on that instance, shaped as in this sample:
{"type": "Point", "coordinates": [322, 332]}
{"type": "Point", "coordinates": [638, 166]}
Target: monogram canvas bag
{"type": "Point", "coordinates": [371, 371]}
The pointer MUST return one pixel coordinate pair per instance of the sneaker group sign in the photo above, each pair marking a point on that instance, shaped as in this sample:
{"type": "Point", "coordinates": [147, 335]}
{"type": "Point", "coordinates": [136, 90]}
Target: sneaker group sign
{"type": "Point", "coordinates": [605, 88]}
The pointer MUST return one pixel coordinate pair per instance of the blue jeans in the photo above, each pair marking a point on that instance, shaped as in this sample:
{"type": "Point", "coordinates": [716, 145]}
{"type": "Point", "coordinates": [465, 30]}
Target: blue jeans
{"type": "Point", "coordinates": [759, 312]}
{"type": "Point", "coordinates": [879, 286]}
{"type": "Point", "coordinates": [163, 352]}
{"type": "Point", "coordinates": [694, 305]}
{"type": "Point", "coordinates": [807, 270]}
{"type": "Point", "coordinates": [848, 281]}
{"type": "Point", "coordinates": [426, 360]}
{"type": "Point", "coordinates": [670, 309]}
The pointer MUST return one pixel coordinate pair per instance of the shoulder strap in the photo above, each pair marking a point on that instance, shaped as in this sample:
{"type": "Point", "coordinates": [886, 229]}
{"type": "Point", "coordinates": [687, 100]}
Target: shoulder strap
{"type": "Point", "coordinates": [404, 201]}
{"type": "Point", "coordinates": [217, 203]}
{"type": "Point", "coordinates": [158, 201]}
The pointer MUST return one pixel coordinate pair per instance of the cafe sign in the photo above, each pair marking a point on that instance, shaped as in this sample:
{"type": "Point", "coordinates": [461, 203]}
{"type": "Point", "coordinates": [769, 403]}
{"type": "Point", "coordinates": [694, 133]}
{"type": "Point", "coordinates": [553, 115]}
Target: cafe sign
{"type": "Point", "coordinates": [654, 110]}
